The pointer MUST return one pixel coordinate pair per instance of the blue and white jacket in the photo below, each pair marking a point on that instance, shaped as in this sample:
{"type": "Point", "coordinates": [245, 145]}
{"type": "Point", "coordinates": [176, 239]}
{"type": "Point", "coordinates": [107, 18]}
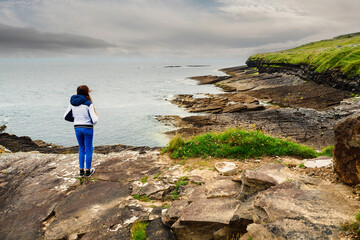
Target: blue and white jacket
{"type": "Point", "coordinates": [81, 111]}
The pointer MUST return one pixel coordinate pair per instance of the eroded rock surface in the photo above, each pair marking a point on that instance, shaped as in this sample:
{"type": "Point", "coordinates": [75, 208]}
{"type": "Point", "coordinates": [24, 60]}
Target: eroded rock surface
{"type": "Point", "coordinates": [41, 196]}
{"type": "Point", "coordinates": [347, 150]}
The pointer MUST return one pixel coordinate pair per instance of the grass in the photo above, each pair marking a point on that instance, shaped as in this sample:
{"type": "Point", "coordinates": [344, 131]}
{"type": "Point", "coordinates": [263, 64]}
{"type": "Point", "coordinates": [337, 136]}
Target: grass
{"type": "Point", "coordinates": [352, 228]}
{"type": "Point", "coordinates": [144, 179]}
{"type": "Point", "coordinates": [236, 143]}
{"type": "Point", "coordinates": [142, 198]}
{"type": "Point", "coordinates": [138, 230]}
{"type": "Point", "coordinates": [342, 52]}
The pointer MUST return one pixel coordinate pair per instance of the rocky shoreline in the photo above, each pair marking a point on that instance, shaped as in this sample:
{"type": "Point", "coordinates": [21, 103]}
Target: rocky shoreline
{"type": "Point", "coordinates": [41, 196]}
{"type": "Point", "coordinates": [281, 104]}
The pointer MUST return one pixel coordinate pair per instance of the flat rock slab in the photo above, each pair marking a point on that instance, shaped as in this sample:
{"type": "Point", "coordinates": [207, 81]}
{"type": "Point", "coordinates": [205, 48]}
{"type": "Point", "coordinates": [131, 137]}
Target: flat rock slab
{"type": "Point", "coordinates": [320, 162]}
{"type": "Point", "coordinates": [128, 166]}
{"type": "Point", "coordinates": [289, 212]}
{"type": "Point", "coordinates": [40, 194]}
{"type": "Point", "coordinates": [154, 190]}
{"type": "Point", "coordinates": [222, 188]}
{"type": "Point", "coordinates": [206, 219]}
{"type": "Point", "coordinates": [210, 210]}
{"type": "Point", "coordinates": [227, 168]}
{"type": "Point", "coordinates": [82, 210]}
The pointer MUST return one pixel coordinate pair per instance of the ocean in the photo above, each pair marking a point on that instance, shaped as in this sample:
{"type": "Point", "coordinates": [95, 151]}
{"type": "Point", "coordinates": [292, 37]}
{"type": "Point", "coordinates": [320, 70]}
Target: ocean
{"type": "Point", "coordinates": [127, 95]}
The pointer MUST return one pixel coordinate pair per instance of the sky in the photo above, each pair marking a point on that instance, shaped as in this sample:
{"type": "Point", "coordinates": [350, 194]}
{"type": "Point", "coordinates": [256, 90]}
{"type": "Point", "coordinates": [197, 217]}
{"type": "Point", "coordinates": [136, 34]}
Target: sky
{"type": "Point", "coordinates": [208, 29]}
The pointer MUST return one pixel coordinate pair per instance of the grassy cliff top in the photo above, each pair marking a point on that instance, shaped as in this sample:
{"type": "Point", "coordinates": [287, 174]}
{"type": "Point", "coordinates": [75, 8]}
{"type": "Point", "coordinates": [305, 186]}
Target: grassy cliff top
{"type": "Point", "coordinates": [342, 52]}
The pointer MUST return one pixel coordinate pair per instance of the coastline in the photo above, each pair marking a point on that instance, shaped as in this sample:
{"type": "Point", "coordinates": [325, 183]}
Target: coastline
{"type": "Point", "coordinates": [281, 103]}
{"type": "Point", "coordinates": [42, 197]}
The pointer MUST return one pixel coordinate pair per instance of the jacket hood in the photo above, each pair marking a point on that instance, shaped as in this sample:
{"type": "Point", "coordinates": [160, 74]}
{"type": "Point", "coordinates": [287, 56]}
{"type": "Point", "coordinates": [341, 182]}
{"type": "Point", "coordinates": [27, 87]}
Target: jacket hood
{"type": "Point", "coordinates": [77, 100]}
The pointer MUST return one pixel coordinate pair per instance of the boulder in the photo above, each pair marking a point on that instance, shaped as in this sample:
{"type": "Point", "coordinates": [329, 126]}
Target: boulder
{"type": "Point", "coordinates": [347, 150]}
{"type": "Point", "coordinates": [171, 215]}
{"type": "Point", "coordinates": [289, 212]}
{"type": "Point", "coordinates": [227, 168]}
{"type": "Point", "coordinates": [262, 178]}
{"type": "Point", "coordinates": [211, 219]}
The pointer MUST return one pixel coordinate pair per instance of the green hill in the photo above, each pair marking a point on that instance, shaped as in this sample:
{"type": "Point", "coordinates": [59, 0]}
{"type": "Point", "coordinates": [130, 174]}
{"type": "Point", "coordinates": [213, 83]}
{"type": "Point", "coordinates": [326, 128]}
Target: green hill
{"type": "Point", "coordinates": [342, 53]}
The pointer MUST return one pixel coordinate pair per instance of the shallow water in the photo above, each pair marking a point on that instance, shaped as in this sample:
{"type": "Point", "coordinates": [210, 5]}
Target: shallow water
{"type": "Point", "coordinates": [127, 96]}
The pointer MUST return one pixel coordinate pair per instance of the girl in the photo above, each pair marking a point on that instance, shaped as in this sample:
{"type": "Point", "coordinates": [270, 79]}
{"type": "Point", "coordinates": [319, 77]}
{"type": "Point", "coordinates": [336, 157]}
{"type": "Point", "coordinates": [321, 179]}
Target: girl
{"type": "Point", "coordinates": [81, 111]}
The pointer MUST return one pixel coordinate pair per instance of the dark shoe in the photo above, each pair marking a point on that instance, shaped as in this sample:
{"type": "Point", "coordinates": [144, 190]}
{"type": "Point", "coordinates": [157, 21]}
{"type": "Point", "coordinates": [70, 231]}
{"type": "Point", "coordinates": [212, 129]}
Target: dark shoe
{"type": "Point", "coordinates": [89, 172]}
{"type": "Point", "coordinates": [82, 172]}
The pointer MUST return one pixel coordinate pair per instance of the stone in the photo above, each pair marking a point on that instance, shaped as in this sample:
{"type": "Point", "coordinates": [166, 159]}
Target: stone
{"type": "Point", "coordinates": [157, 231]}
{"type": "Point", "coordinates": [2, 128]}
{"type": "Point", "coordinates": [319, 162]}
{"type": "Point", "coordinates": [289, 212]}
{"type": "Point", "coordinates": [154, 190]}
{"type": "Point", "coordinates": [347, 150]}
{"type": "Point", "coordinates": [210, 219]}
{"type": "Point", "coordinates": [226, 168]}
{"type": "Point", "coordinates": [259, 232]}
{"type": "Point", "coordinates": [208, 79]}
{"type": "Point", "coordinates": [262, 178]}
{"type": "Point", "coordinates": [171, 215]}
{"type": "Point", "coordinates": [222, 188]}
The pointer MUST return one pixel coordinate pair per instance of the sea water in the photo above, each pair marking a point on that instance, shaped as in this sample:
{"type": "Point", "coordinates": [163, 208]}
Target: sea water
{"type": "Point", "coordinates": [127, 96]}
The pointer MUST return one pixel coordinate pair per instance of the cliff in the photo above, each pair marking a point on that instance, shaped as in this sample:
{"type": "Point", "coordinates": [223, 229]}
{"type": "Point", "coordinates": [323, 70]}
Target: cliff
{"type": "Point", "coordinates": [334, 62]}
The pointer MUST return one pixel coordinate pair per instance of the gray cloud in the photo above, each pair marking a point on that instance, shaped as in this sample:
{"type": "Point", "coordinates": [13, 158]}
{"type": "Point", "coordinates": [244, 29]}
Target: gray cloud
{"type": "Point", "coordinates": [15, 39]}
{"type": "Point", "coordinates": [189, 28]}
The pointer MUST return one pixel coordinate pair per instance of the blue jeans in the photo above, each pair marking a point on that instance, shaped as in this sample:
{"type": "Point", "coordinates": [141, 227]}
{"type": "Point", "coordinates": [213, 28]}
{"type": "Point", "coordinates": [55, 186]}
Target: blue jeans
{"type": "Point", "coordinates": [84, 137]}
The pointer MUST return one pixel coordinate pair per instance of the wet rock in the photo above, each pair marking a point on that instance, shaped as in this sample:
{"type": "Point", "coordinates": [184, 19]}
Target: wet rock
{"type": "Point", "coordinates": [289, 212]}
{"type": "Point", "coordinates": [347, 150]}
{"type": "Point", "coordinates": [2, 128]}
{"type": "Point", "coordinates": [222, 103]}
{"type": "Point", "coordinates": [227, 168]}
{"type": "Point", "coordinates": [306, 126]}
{"type": "Point", "coordinates": [26, 144]}
{"type": "Point", "coordinates": [208, 79]}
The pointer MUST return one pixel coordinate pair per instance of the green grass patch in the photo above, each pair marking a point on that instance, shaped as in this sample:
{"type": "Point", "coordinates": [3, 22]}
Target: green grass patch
{"type": "Point", "coordinates": [142, 198]}
{"type": "Point", "coordinates": [341, 52]}
{"type": "Point", "coordinates": [236, 143]}
{"type": "Point", "coordinates": [352, 228]}
{"type": "Point", "coordinates": [138, 230]}
{"type": "Point", "coordinates": [328, 151]}
{"type": "Point", "coordinates": [144, 179]}
{"type": "Point", "coordinates": [157, 175]}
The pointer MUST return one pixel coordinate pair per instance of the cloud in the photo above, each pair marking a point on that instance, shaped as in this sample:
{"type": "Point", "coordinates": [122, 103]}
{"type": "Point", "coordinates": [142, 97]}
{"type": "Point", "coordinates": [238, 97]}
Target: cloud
{"type": "Point", "coordinates": [19, 39]}
{"type": "Point", "coordinates": [189, 28]}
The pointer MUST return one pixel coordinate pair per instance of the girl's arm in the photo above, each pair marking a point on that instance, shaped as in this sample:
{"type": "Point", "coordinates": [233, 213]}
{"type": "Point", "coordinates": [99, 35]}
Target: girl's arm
{"type": "Point", "coordinates": [93, 114]}
{"type": "Point", "coordinates": [68, 116]}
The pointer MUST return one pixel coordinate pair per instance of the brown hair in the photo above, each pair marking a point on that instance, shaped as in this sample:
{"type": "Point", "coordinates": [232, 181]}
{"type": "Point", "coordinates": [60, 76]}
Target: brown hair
{"type": "Point", "coordinates": [84, 90]}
